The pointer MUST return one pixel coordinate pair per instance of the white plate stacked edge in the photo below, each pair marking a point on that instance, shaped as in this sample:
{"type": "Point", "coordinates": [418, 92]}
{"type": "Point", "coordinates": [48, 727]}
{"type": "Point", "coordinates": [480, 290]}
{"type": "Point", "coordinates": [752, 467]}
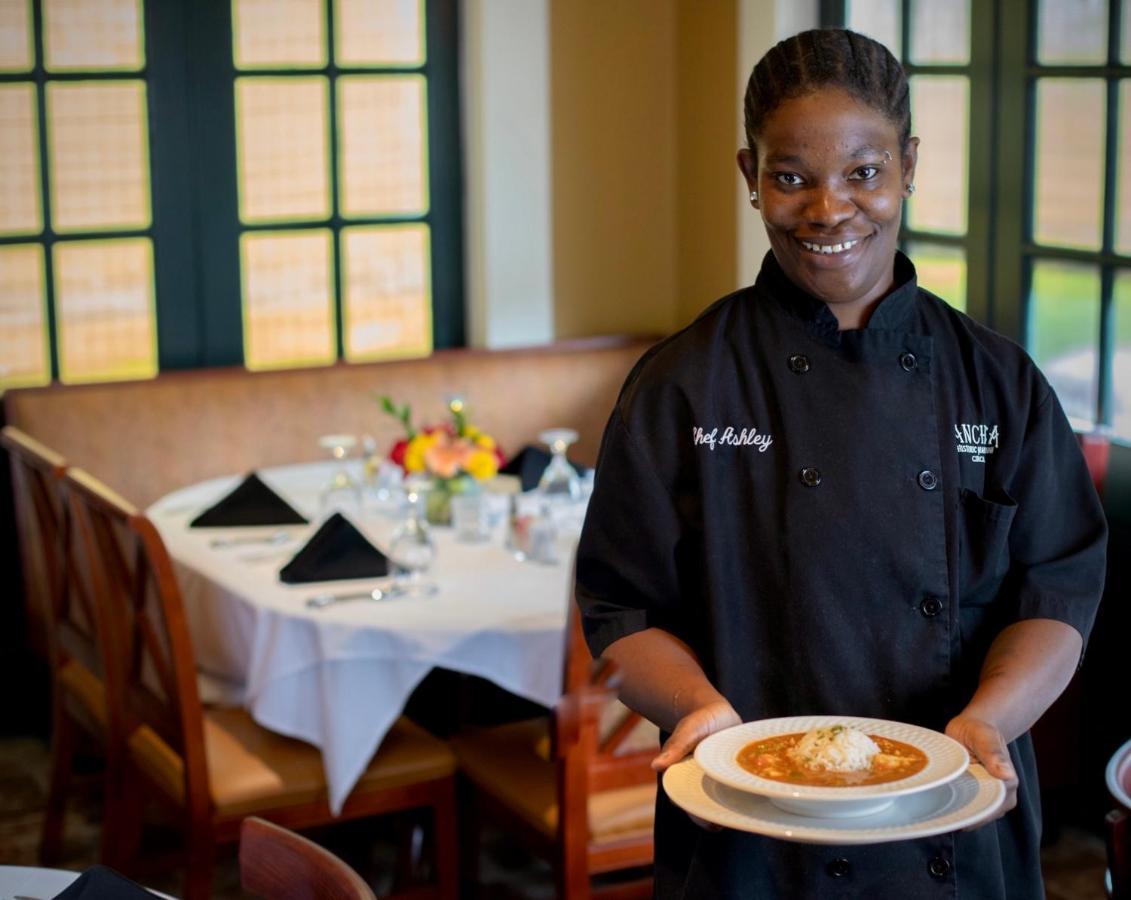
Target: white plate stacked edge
{"type": "Point", "coordinates": [960, 803]}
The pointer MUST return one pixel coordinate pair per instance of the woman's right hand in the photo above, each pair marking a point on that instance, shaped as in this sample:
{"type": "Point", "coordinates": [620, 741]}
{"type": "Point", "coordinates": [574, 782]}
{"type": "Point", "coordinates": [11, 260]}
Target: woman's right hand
{"type": "Point", "coordinates": [692, 728]}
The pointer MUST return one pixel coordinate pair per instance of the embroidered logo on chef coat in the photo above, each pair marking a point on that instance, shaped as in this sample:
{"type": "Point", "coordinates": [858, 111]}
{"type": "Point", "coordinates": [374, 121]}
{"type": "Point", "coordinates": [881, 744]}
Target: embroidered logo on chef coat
{"type": "Point", "coordinates": [735, 437]}
{"type": "Point", "coordinates": [976, 440]}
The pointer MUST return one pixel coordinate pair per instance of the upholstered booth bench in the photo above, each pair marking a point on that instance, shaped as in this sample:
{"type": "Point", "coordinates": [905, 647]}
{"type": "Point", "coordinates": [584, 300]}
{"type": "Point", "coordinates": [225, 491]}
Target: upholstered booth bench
{"type": "Point", "coordinates": [146, 438]}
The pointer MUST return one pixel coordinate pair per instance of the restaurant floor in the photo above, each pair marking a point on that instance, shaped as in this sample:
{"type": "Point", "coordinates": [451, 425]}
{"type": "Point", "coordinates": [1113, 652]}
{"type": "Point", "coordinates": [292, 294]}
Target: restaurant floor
{"type": "Point", "coordinates": [1073, 864]}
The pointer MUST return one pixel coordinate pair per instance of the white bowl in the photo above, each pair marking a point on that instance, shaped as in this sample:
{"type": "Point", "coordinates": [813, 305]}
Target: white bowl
{"type": "Point", "coordinates": [717, 755]}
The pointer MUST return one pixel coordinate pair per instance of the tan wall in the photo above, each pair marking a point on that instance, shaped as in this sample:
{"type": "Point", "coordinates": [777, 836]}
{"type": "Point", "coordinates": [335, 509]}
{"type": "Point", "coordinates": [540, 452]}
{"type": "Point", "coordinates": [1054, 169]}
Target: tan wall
{"type": "Point", "coordinates": [707, 108]}
{"type": "Point", "coordinates": [642, 152]}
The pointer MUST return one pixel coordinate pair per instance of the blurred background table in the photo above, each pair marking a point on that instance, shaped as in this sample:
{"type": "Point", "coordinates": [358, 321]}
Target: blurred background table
{"type": "Point", "coordinates": [338, 677]}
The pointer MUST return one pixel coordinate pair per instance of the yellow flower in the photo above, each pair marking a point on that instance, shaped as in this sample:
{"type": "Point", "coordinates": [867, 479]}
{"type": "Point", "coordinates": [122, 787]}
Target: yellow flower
{"type": "Point", "coordinates": [485, 441]}
{"type": "Point", "coordinates": [482, 464]}
{"type": "Point", "coordinates": [417, 448]}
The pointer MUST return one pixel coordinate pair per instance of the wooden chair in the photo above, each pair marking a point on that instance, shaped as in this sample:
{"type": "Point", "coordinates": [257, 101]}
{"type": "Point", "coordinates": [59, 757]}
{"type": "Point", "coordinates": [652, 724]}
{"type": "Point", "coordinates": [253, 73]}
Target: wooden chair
{"type": "Point", "coordinates": [214, 767]}
{"type": "Point", "coordinates": [1118, 821]}
{"type": "Point", "coordinates": [62, 613]}
{"type": "Point", "coordinates": [579, 786]}
{"type": "Point", "coordinates": [278, 864]}
{"type": "Point", "coordinates": [36, 470]}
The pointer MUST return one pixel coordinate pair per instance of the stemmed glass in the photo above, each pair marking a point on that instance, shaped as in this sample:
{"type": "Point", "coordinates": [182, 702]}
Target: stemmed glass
{"type": "Point", "coordinates": [410, 546]}
{"type": "Point", "coordinates": [342, 486]}
{"type": "Point", "coordinates": [559, 481]}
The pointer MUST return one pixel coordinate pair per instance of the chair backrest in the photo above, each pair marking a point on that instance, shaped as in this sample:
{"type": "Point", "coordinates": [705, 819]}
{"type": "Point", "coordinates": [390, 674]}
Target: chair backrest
{"type": "Point", "coordinates": [40, 519]}
{"type": "Point", "coordinates": [278, 864]}
{"type": "Point", "coordinates": [611, 743]}
{"type": "Point", "coordinates": [150, 668]}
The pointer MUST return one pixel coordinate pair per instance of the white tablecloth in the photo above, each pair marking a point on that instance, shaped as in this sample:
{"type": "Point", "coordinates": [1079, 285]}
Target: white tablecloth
{"type": "Point", "coordinates": [339, 677]}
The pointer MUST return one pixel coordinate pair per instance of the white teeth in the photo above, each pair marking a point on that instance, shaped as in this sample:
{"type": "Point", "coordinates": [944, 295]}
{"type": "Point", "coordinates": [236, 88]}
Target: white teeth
{"type": "Point", "coordinates": [829, 248]}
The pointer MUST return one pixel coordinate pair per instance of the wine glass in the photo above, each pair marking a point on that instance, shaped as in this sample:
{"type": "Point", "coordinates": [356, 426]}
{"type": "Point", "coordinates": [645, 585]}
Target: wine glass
{"type": "Point", "coordinates": [410, 547]}
{"type": "Point", "coordinates": [560, 480]}
{"type": "Point", "coordinates": [342, 488]}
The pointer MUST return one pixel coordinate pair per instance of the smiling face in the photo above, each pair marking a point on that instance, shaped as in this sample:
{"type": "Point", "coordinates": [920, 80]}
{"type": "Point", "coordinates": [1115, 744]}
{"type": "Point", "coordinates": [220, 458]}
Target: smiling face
{"type": "Point", "coordinates": [831, 178]}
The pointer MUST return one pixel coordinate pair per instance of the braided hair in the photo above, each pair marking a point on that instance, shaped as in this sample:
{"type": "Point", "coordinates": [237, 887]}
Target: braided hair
{"type": "Point", "coordinates": [828, 57]}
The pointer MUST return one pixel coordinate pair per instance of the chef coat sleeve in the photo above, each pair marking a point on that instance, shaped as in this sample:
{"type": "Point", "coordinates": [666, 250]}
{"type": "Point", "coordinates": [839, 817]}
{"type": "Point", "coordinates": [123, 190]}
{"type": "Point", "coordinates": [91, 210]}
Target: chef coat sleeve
{"type": "Point", "coordinates": [627, 578]}
{"type": "Point", "coordinates": [1058, 541]}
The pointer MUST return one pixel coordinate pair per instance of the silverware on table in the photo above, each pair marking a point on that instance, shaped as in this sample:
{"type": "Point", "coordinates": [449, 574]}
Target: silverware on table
{"type": "Point", "coordinates": [275, 537]}
{"type": "Point", "coordinates": [321, 601]}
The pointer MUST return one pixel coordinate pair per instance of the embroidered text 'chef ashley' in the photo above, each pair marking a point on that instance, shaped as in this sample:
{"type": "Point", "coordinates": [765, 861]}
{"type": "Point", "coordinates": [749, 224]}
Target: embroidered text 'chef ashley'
{"type": "Point", "coordinates": [745, 437]}
{"type": "Point", "coordinates": [976, 440]}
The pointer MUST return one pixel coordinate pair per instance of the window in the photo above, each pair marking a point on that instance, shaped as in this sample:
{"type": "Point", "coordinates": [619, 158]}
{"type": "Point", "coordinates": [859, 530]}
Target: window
{"type": "Point", "coordinates": [262, 182]}
{"type": "Point", "coordinates": [1037, 118]}
{"type": "Point", "coordinates": [76, 252]}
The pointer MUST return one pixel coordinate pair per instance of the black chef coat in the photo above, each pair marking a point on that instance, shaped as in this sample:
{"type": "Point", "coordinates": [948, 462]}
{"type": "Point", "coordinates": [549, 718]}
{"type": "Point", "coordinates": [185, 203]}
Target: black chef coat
{"type": "Point", "coordinates": [841, 523]}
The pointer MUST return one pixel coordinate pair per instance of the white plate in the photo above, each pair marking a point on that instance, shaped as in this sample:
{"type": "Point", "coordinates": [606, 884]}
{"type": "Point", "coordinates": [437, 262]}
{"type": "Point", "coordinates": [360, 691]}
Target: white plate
{"type": "Point", "coordinates": [967, 799]}
{"type": "Point", "coordinates": [717, 754]}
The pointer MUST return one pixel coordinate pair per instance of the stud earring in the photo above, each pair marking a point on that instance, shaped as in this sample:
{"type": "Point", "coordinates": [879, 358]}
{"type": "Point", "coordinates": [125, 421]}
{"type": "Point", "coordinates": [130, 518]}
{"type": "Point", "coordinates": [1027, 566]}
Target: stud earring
{"type": "Point", "coordinates": [753, 196]}
{"type": "Point", "coordinates": [911, 189]}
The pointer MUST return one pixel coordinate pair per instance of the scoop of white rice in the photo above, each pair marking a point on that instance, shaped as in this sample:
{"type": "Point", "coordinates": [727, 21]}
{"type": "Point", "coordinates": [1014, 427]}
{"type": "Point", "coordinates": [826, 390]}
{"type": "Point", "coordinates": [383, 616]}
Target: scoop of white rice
{"type": "Point", "coordinates": [837, 748]}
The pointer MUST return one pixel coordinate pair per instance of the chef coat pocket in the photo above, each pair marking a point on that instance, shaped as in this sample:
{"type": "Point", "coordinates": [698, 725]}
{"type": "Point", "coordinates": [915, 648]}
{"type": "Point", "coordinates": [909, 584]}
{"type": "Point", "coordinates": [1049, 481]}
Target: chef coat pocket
{"type": "Point", "coordinates": [983, 550]}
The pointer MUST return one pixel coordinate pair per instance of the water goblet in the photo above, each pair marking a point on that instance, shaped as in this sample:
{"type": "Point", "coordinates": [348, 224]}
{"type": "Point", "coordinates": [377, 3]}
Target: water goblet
{"type": "Point", "coordinates": [411, 548]}
{"type": "Point", "coordinates": [559, 481]}
{"type": "Point", "coordinates": [342, 488]}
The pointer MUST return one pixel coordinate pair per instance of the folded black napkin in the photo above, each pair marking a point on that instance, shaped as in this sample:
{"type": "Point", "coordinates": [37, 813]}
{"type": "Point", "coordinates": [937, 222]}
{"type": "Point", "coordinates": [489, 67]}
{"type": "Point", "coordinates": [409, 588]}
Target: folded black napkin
{"type": "Point", "coordinates": [336, 551]}
{"type": "Point", "coordinates": [251, 503]}
{"type": "Point", "coordinates": [529, 464]}
{"type": "Point", "coordinates": [101, 883]}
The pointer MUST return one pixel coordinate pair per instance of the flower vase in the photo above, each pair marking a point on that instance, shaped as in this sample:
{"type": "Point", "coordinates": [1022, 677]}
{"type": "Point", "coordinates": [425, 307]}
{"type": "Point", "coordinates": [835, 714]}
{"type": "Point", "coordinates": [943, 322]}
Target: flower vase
{"type": "Point", "coordinates": [438, 503]}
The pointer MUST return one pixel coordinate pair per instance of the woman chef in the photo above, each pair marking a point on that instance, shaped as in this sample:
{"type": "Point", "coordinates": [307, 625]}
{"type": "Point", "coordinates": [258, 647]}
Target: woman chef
{"type": "Point", "coordinates": [833, 493]}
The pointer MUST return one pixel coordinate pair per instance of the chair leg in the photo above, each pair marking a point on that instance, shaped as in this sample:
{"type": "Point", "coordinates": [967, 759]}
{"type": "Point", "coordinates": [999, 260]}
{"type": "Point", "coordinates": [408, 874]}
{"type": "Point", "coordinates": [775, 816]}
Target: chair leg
{"type": "Point", "coordinates": [123, 820]}
{"type": "Point", "coordinates": [470, 830]}
{"type": "Point", "coordinates": [201, 859]}
{"type": "Point", "coordinates": [62, 759]}
{"type": "Point", "coordinates": [447, 850]}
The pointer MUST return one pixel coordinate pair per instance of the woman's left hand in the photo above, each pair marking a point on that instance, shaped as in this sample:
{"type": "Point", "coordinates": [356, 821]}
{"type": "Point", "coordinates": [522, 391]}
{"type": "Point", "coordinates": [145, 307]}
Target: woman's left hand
{"type": "Point", "coordinates": [988, 747]}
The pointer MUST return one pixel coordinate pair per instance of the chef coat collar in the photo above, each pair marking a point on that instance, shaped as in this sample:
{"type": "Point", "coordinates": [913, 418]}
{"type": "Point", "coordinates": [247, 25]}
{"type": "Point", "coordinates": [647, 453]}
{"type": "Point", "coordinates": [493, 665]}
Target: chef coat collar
{"type": "Point", "coordinates": [892, 312]}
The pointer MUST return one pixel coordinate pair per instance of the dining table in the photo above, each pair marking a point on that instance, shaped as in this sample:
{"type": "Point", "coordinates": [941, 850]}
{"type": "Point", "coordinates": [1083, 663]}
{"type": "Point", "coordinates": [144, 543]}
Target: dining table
{"type": "Point", "coordinates": [338, 676]}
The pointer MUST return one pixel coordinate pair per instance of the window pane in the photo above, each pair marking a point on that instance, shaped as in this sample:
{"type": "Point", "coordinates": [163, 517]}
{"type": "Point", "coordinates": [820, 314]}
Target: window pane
{"type": "Point", "coordinates": [99, 157]}
{"type": "Point", "coordinates": [1070, 162]}
{"type": "Point", "coordinates": [1064, 318]}
{"type": "Point", "coordinates": [1121, 364]}
{"type": "Point", "coordinates": [387, 290]}
{"type": "Point", "coordinates": [17, 49]}
{"type": "Point", "coordinates": [283, 148]}
{"type": "Point", "coordinates": [279, 33]}
{"type": "Point", "coordinates": [940, 110]}
{"type": "Point", "coordinates": [942, 271]}
{"type": "Point", "coordinates": [1125, 43]}
{"type": "Point", "coordinates": [379, 32]}
{"type": "Point", "coordinates": [940, 32]}
{"type": "Point", "coordinates": [93, 34]}
{"type": "Point", "coordinates": [382, 128]}
{"type": "Point", "coordinates": [1072, 31]}
{"type": "Point", "coordinates": [104, 310]}
{"type": "Point", "coordinates": [23, 328]}
{"type": "Point", "coordinates": [288, 307]}
{"type": "Point", "coordinates": [20, 212]}
{"type": "Point", "coordinates": [1123, 176]}
{"type": "Point", "coordinates": [879, 19]}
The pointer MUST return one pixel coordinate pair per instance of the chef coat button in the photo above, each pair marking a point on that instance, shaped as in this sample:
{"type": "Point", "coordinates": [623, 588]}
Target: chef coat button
{"type": "Point", "coordinates": [839, 867]}
{"type": "Point", "coordinates": [939, 867]}
{"type": "Point", "coordinates": [908, 362]}
{"type": "Point", "coordinates": [799, 363]}
{"type": "Point", "coordinates": [928, 480]}
{"type": "Point", "coordinates": [930, 607]}
{"type": "Point", "coordinates": [810, 477]}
